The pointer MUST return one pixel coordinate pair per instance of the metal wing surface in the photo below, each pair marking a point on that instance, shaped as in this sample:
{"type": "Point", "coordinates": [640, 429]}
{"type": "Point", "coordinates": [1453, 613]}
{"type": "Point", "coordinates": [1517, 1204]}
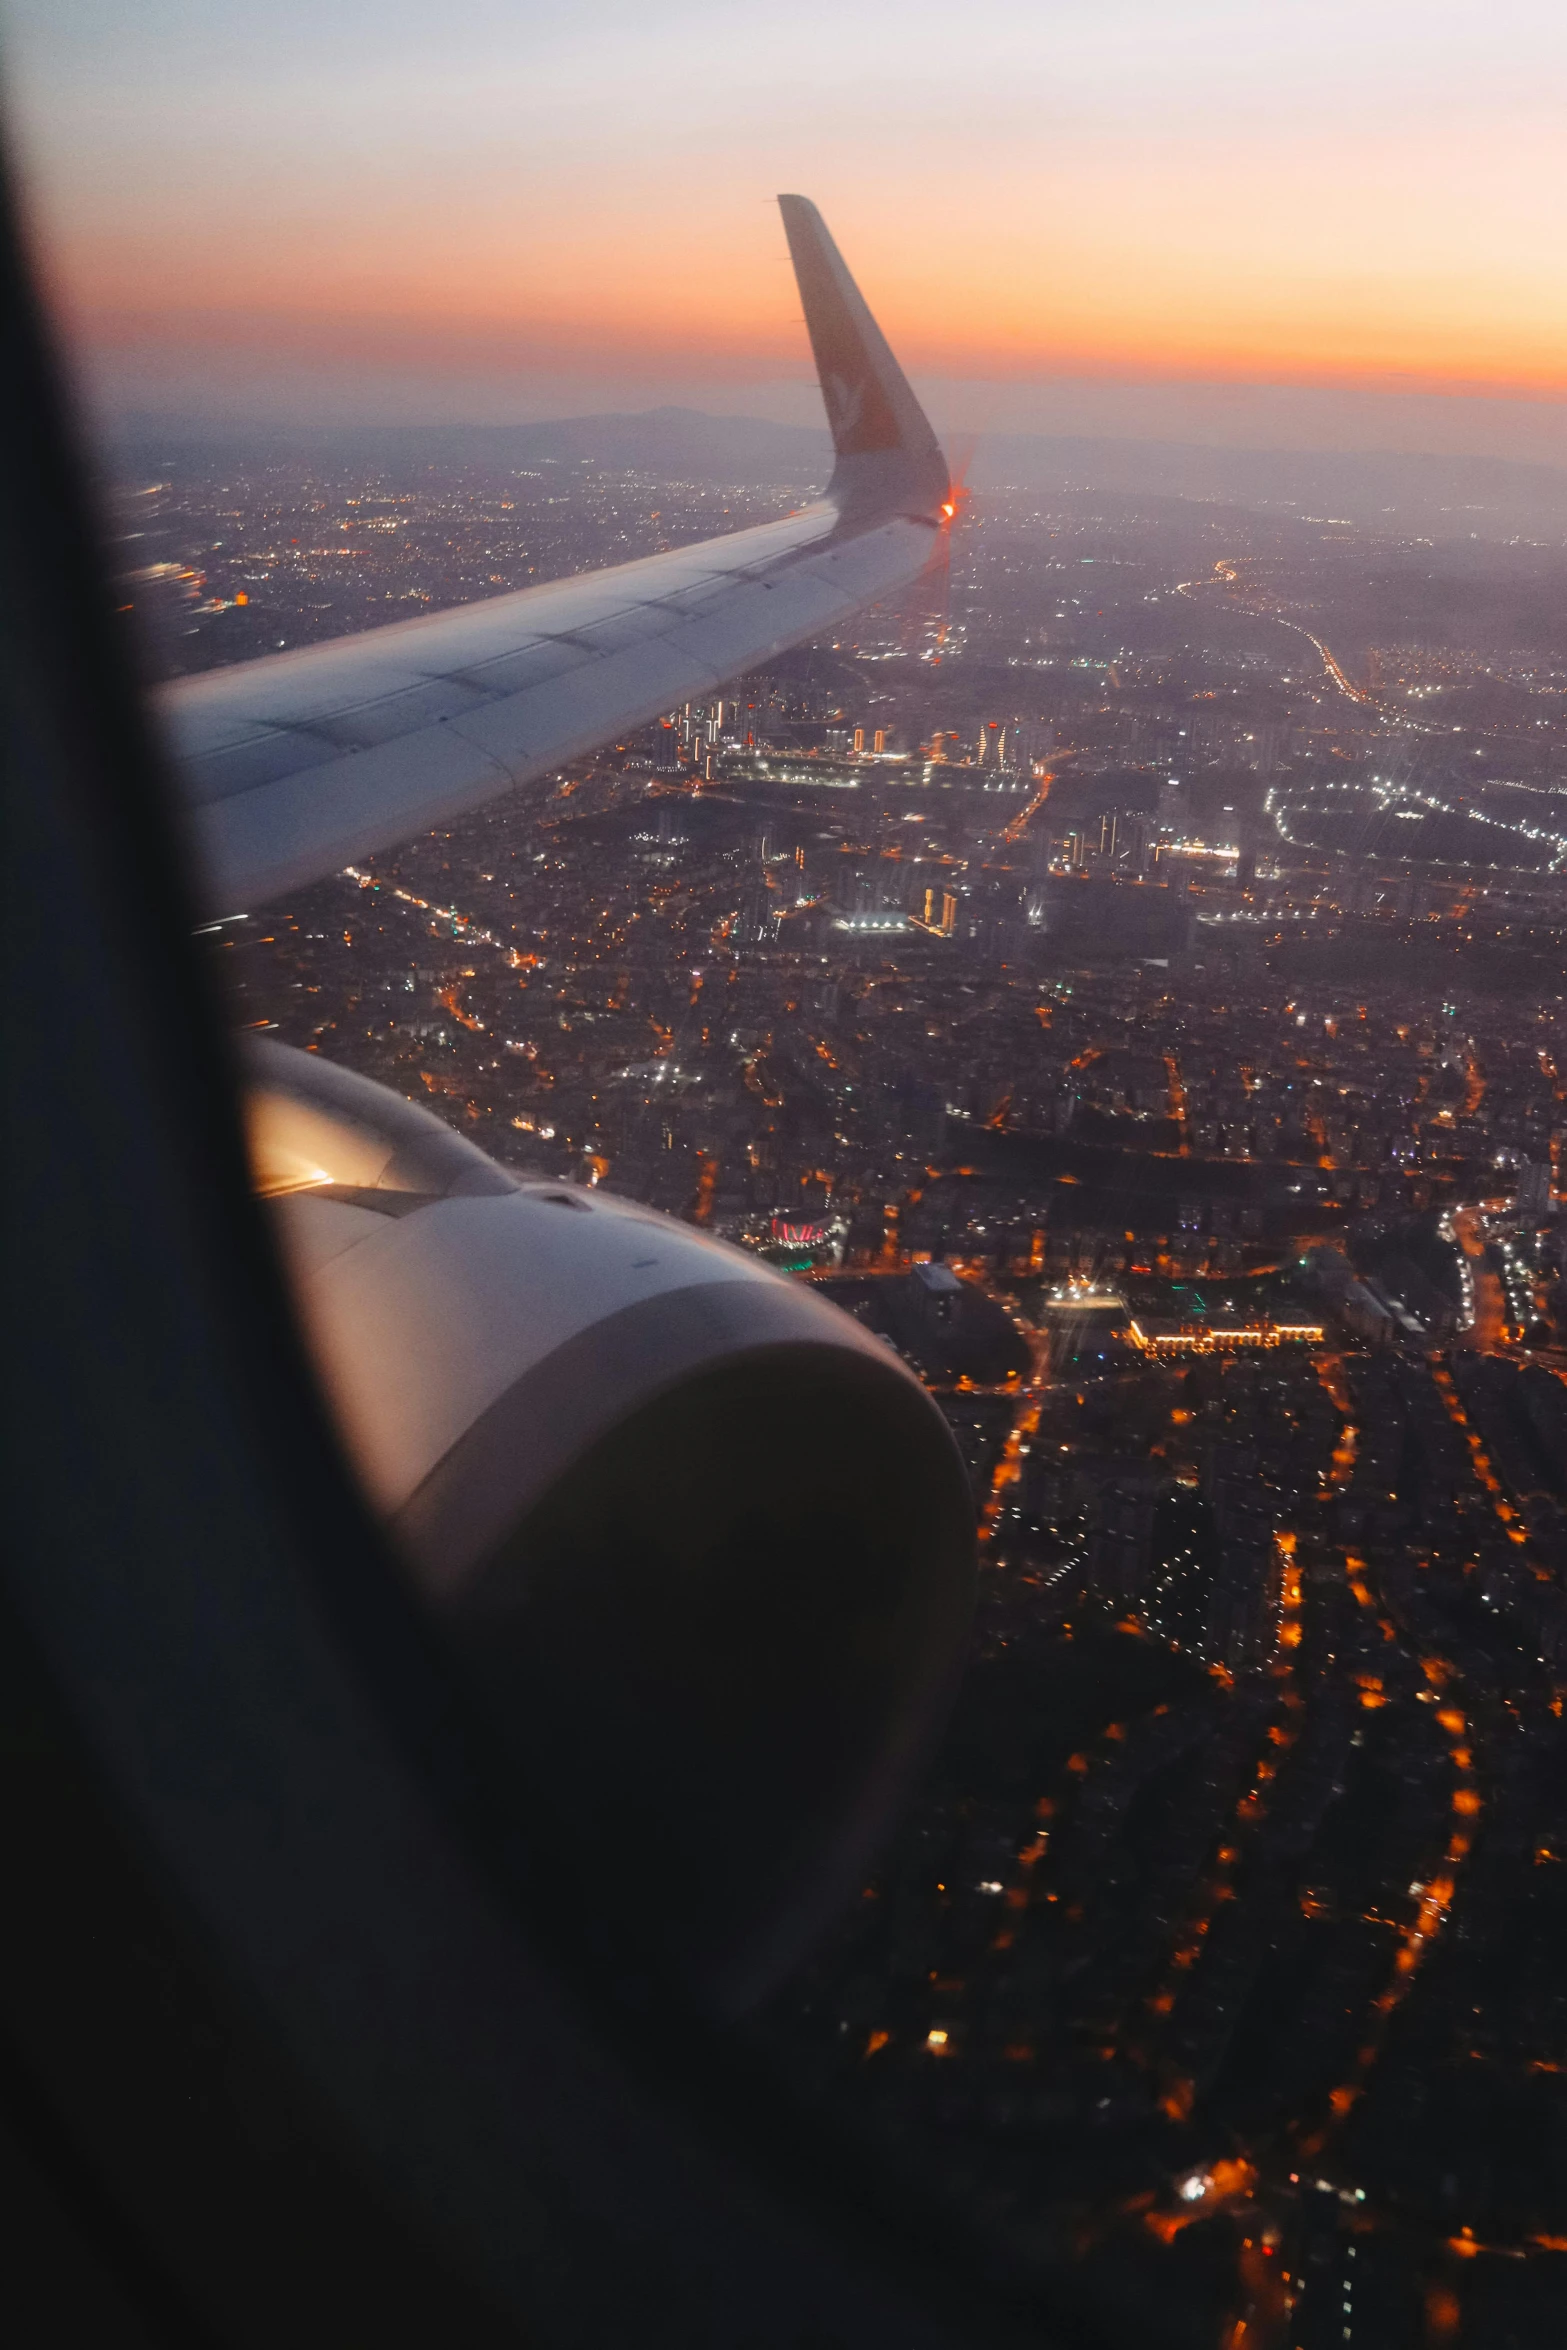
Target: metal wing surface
{"type": "Point", "coordinates": [294, 765]}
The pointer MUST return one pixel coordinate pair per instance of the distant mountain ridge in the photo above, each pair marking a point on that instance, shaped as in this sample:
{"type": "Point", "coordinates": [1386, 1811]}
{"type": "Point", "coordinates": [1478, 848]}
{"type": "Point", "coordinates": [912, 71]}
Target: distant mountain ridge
{"type": "Point", "coordinates": [674, 442]}
{"type": "Point", "coordinates": [1489, 495]}
{"type": "Point", "coordinates": [1439, 496]}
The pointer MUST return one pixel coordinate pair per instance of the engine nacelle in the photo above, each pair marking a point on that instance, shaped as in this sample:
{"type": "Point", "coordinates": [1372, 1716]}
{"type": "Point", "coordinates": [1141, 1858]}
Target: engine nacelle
{"type": "Point", "coordinates": [703, 1547]}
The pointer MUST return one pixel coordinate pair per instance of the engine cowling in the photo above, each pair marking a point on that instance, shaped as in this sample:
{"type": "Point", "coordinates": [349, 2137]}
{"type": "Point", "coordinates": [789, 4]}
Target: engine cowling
{"type": "Point", "coordinates": [701, 1546]}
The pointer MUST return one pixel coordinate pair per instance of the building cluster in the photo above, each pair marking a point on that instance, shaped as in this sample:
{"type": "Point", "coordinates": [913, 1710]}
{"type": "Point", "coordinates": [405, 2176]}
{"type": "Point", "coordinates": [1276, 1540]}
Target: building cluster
{"type": "Point", "coordinates": [1242, 1956]}
{"type": "Point", "coordinates": [1131, 980]}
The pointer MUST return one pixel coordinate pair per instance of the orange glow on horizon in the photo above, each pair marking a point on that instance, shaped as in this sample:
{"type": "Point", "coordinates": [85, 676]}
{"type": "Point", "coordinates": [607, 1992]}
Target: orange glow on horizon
{"type": "Point", "coordinates": [628, 327]}
{"type": "Point", "coordinates": [1301, 196]}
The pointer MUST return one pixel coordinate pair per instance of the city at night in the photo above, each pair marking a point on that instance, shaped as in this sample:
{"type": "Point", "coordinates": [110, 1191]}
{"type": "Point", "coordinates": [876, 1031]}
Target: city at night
{"type": "Point", "coordinates": [1128, 978]}
{"type": "Point", "coordinates": [791, 1161]}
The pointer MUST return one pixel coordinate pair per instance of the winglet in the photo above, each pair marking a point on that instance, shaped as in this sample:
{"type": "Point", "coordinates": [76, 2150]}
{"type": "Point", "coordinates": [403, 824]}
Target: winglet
{"type": "Point", "coordinates": [888, 459]}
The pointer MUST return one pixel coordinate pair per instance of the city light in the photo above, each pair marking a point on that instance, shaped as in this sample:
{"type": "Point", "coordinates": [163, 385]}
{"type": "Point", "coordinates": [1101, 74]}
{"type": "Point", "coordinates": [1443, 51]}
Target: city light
{"type": "Point", "coordinates": [1181, 1139]}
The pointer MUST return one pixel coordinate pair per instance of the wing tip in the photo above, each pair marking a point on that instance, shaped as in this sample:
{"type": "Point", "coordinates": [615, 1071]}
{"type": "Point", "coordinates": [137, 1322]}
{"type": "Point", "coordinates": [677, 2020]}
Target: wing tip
{"type": "Point", "coordinates": [888, 457]}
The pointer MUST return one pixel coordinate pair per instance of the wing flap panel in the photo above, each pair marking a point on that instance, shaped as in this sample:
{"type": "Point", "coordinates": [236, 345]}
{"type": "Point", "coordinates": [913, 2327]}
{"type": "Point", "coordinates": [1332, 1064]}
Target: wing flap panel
{"type": "Point", "coordinates": [533, 732]}
{"type": "Point", "coordinates": [261, 759]}
{"type": "Point", "coordinates": [322, 681]}
{"type": "Point", "coordinates": [755, 623]}
{"type": "Point", "coordinates": [631, 627]}
{"type": "Point", "coordinates": [514, 673]}
{"type": "Point", "coordinates": [382, 721]}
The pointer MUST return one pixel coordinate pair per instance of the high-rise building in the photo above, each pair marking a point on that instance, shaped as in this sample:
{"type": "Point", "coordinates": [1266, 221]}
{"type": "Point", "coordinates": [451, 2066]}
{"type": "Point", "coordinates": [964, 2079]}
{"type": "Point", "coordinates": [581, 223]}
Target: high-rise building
{"type": "Point", "coordinates": [1122, 1548]}
{"type": "Point", "coordinates": [1181, 1556]}
{"type": "Point", "coordinates": [666, 746]}
{"type": "Point", "coordinates": [936, 1294]}
{"type": "Point", "coordinates": [941, 911]}
{"type": "Point", "coordinates": [1534, 1191]}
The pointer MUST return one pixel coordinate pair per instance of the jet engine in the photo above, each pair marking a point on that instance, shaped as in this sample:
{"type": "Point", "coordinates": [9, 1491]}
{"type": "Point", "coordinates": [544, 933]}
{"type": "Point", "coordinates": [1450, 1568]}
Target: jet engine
{"type": "Point", "coordinates": [701, 1548]}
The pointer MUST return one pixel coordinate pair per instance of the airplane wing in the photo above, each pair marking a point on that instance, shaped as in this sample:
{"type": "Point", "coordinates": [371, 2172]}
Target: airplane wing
{"type": "Point", "coordinates": [294, 765]}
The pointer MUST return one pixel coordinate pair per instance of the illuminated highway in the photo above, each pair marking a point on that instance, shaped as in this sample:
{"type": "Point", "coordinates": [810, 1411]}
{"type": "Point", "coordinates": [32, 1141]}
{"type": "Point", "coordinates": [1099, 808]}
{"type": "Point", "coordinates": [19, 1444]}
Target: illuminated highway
{"type": "Point", "coordinates": [1388, 792]}
{"type": "Point", "coordinates": [1488, 1329]}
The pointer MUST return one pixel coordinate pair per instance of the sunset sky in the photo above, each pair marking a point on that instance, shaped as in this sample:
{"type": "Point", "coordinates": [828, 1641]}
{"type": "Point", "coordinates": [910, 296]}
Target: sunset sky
{"type": "Point", "coordinates": [1342, 223]}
